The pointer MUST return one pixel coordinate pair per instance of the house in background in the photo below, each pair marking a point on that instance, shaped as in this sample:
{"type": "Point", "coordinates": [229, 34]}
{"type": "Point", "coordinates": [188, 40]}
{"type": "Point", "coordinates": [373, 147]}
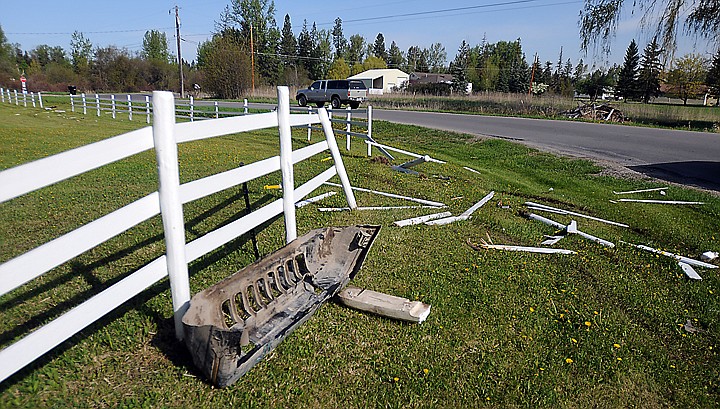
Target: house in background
{"type": "Point", "coordinates": [430, 78]}
{"type": "Point", "coordinates": [381, 81]}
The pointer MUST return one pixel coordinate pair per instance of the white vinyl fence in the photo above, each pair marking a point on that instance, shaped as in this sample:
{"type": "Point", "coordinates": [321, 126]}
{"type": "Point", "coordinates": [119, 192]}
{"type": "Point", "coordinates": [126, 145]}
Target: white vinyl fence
{"type": "Point", "coordinates": [163, 136]}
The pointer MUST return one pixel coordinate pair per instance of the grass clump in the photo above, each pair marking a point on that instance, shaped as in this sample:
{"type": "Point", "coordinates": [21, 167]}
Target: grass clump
{"type": "Point", "coordinates": [601, 328]}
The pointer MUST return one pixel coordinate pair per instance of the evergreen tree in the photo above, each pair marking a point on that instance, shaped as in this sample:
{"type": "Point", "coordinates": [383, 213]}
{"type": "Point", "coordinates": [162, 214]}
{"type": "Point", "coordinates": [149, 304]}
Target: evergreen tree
{"type": "Point", "coordinates": [339, 41]}
{"type": "Point", "coordinates": [379, 47]}
{"type": "Point", "coordinates": [396, 59]}
{"type": "Point", "coordinates": [436, 57]}
{"type": "Point", "coordinates": [458, 69]}
{"type": "Point", "coordinates": [649, 74]}
{"type": "Point", "coordinates": [288, 43]}
{"type": "Point", "coordinates": [713, 77]}
{"type": "Point", "coordinates": [417, 60]}
{"type": "Point", "coordinates": [627, 86]}
{"type": "Point", "coordinates": [356, 50]}
{"type": "Point", "coordinates": [81, 52]}
{"type": "Point", "coordinates": [305, 50]}
{"type": "Point", "coordinates": [155, 46]}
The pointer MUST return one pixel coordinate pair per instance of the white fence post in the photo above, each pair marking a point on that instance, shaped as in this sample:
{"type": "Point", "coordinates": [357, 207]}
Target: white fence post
{"type": "Point", "coordinates": [147, 108]}
{"type": "Point", "coordinates": [309, 125]}
{"type": "Point", "coordinates": [2, 94]}
{"type": "Point", "coordinates": [72, 103]}
{"type": "Point", "coordinates": [97, 104]}
{"type": "Point", "coordinates": [245, 106]}
{"type": "Point", "coordinates": [170, 204]}
{"type": "Point", "coordinates": [335, 152]}
{"type": "Point", "coordinates": [286, 164]}
{"type": "Point", "coordinates": [24, 99]}
{"type": "Point", "coordinates": [32, 98]}
{"type": "Point", "coordinates": [112, 98]}
{"type": "Point", "coordinates": [369, 129]}
{"type": "Point", "coordinates": [192, 108]}
{"type": "Point", "coordinates": [217, 113]}
{"type": "Point", "coordinates": [17, 101]}
{"type": "Point", "coordinates": [348, 117]}
{"type": "Point", "coordinates": [84, 102]}
{"type": "Point", "coordinates": [129, 98]}
{"type": "Point", "coordinates": [40, 100]}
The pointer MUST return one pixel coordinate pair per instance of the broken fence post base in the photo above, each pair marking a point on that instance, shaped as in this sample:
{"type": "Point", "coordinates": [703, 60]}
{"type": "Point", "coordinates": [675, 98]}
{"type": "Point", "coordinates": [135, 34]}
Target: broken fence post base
{"type": "Point", "coordinates": [384, 305]}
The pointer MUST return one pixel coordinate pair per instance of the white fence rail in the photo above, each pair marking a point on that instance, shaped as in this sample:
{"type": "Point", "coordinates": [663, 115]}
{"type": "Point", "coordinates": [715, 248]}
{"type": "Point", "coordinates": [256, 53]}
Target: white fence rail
{"type": "Point", "coordinates": [164, 136]}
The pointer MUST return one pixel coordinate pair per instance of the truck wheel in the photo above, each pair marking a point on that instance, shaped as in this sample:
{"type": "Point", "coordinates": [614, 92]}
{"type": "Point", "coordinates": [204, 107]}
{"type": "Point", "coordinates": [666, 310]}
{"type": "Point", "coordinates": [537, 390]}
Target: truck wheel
{"type": "Point", "coordinates": [336, 103]}
{"type": "Point", "coordinates": [354, 104]}
{"type": "Point", "coordinates": [320, 104]}
{"type": "Point", "coordinates": [302, 100]}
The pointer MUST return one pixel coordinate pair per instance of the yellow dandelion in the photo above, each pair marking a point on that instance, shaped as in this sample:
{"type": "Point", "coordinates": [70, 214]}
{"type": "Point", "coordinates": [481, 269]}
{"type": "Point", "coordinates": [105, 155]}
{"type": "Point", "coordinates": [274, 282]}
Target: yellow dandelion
{"type": "Point", "coordinates": [616, 345]}
{"type": "Point", "coordinates": [532, 309]}
{"type": "Point", "coordinates": [619, 359]}
{"type": "Point", "coordinates": [425, 371]}
{"type": "Point", "coordinates": [568, 360]}
{"type": "Point", "coordinates": [587, 323]}
{"type": "Point", "coordinates": [396, 379]}
{"type": "Point", "coordinates": [573, 340]}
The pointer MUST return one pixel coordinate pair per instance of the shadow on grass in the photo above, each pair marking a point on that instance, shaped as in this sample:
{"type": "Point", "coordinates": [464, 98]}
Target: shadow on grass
{"type": "Point", "coordinates": [165, 337]}
{"type": "Point", "coordinates": [704, 174]}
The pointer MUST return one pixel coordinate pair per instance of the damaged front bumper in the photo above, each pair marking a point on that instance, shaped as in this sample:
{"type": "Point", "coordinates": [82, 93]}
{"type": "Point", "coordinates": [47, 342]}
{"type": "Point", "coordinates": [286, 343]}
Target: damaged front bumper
{"type": "Point", "coordinates": [232, 325]}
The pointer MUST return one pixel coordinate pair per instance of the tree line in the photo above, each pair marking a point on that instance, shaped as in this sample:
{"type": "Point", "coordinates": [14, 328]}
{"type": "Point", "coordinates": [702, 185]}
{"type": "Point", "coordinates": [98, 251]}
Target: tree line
{"type": "Point", "coordinates": [248, 48]}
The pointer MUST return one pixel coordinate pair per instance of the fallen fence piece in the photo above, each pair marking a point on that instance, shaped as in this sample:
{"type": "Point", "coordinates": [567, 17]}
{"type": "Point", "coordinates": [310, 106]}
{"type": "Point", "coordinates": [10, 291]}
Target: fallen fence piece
{"type": "Point", "coordinates": [390, 148]}
{"type": "Point", "coordinates": [551, 240]}
{"type": "Point", "coordinates": [541, 209]}
{"type": "Point", "coordinates": [709, 256]}
{"type": "Point", "coordinates": [405, 167]}
{"type": "Point", "coordinates": [421, 219]}
{"type": "Point", "coordinates": [670, 202]}
{"type": "Point", "coordinates": [446, 220]}
{"type": "Point", "coordinates": [689, 271]}
{"type": "Point", "coordinates": [543, 250]}
{"type": "Point", "coordinates": [384, 305]}
{"type": "Point", "coordinates": [685, 260]}
{"type": "Point", "coordinates": [343, 209]}
{"type": "Point", "coordinates": [478, 205]}
{"type": "Point", "coordinates": [421, 201]}
{"type": "Point", "coordinates": [570, 229]}
{"type": "Point", "coordinates": [306, 202]}
{"type": "Point", "coordinates": [472, 170]}
{"type": "Point", "coordinates": [641, 190]}
{"type": "Point", "coordinates": [230, 326]}
{"type": "Point", "coordinates": [541, 206]}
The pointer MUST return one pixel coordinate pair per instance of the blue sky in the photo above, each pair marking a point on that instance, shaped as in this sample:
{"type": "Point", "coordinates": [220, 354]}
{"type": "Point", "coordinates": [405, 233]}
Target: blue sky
{"type": "Point", "coordinates": [544, 26]}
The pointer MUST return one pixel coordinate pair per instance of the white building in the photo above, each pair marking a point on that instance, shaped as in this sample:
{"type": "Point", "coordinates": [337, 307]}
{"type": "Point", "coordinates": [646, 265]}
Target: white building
{"type": "Point", "coordinates": [382, 80]}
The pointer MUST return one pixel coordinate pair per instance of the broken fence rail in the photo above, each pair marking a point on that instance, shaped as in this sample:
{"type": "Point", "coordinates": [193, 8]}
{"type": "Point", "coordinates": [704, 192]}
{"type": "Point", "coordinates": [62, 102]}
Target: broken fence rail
{"type": "Point", "coordinates": [541, 250]}
{"type": "Point", "coordinates": [412, 199]}
{"type": "Point", "coordinates": [421, 219]}
{"type": "Point", "coordinates": [538, 206]}
{"type": "Point", "coordinates": [669, 202]}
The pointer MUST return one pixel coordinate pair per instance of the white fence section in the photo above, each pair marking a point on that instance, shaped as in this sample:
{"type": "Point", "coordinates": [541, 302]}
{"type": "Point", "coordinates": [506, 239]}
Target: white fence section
{"type": "Point", "coordinates": [164, 136]}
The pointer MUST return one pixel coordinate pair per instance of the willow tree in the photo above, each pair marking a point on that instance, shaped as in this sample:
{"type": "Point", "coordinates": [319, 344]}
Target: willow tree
{"type": "Point", "coordinates": [599, 20]}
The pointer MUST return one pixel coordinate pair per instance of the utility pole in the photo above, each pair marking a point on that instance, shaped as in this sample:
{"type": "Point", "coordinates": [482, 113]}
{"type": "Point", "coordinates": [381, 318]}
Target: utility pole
{"type": "Point", "coordinates": [177, 34]}
{"type": "Point", "coordinates": [252, 59]}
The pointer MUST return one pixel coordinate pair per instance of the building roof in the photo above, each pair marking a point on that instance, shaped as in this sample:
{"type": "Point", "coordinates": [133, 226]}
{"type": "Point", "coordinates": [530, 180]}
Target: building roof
{"type": "Point", "coordinates": [372, 74]}
{"type": "Point", "coordinates": [430, 78]}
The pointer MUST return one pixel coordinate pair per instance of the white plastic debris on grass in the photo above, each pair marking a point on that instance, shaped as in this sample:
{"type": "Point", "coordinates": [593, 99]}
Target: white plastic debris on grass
{"type": "Point", "coordinates": [669, 202]}
{"type": "Point", "coordinates": [465, 215]}
{"type": "Point", "coordinates": [709, 256]}
{"type": "Point", "coordinates": [683, 261]}
{"type": "Point", "coordinates": [655, 189]}
{"type": "Point", "coordinates": [569, 229]}
{"type": "Point", "coordinates": [542, 207]}
{"type": "Point", "coordinates": [344, 209]}
{"type": "Point", "coordinates": [421, 219]}
{"type": "Point", "coordinates": [505, 247]}
{"type": "Point", "coordinates": [412, 199]}
{"type": "Point", "coordinates": [306, 202]}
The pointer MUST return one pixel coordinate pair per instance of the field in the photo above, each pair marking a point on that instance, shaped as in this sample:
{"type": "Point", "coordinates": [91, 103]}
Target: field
{"type": "Point", "coordinates": [602, 328]}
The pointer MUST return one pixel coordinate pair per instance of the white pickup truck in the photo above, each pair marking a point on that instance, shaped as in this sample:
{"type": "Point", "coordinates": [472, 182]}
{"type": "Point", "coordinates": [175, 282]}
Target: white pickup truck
{"type": "Point", "coordinates": [336, 92]}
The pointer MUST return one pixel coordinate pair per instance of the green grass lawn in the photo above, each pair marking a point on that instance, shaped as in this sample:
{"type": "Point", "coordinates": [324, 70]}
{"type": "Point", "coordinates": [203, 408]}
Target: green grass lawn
{"type": "Point", "coordinates": [602, 328]}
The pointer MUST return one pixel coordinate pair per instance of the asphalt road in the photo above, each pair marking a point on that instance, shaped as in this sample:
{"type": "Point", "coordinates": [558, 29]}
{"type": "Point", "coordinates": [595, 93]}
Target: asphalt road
{"type": "Point", "coordinates": [686, 157]}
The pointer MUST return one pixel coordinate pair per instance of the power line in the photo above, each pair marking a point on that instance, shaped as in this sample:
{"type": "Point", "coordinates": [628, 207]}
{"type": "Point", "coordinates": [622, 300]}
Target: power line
{"type": "Point", "coordinates": [97, 32]}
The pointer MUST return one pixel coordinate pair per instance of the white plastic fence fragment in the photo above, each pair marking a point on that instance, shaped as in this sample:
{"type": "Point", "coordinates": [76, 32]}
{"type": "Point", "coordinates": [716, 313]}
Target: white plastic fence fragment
{"type": "Point", "coordinates": [170, 204]}
{"type": "Point", "coordinates": [478, 205]}
{"type": "Point", "coordinates": [415, 162]}
{"type": "Point", "coordinates": [570, 229]}
{"type": "Point", "coordinates": [286, 165]}
{"type": "Point", "coordinates": [343, 209]}
{"type": "Point", "coordinates": [421, 219]}
{"type": "Point", "coordinates": [335, 153]}
{"type": "Point", "coordinates": [446, 220]}
{"type": "Point", "coordinates": [709, 256]}
{"type": "Point", "coordinates": [551, 240]}
{"type": "Point", "coordinates": [385, 305]}
{"type": "Point", "coordinates": [641, 190]}
{"type": "Point", "coordinates": [689, 271]}
{"type": "Point", "coordinates": [472, 170]}
{"type": "Point", "coordinates": [670, 202]}
{"type": "Point", "coordinates": [314, 199]}
{"type": "Point", "coordinates": [537, 206]}
{"type": "Point", "coordinates": [685, 260]}
{"type": "Point", "coordinates": [421, 201]}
